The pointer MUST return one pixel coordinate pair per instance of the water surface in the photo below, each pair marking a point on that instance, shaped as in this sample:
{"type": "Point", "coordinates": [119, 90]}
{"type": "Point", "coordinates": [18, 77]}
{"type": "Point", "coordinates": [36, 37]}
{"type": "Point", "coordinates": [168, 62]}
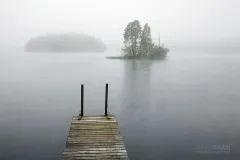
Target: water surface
{"type": "Point", "coordinates": [164, 108]}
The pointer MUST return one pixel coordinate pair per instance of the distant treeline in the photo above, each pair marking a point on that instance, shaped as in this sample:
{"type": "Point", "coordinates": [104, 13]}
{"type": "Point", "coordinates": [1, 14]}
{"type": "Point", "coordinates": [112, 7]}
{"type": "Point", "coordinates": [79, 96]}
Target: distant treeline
{"type": "Point", "coordinates": [65, 43]}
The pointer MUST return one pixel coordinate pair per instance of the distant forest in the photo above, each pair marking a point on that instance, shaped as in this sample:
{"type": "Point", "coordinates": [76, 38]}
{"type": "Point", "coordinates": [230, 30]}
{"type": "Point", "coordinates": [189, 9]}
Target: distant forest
{"type": "Point", "coordinates": [65, 43]}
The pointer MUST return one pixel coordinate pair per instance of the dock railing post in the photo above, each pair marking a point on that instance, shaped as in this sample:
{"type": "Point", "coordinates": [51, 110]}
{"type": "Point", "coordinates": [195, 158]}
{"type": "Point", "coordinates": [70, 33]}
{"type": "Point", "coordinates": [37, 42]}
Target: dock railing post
{"type": "Point", "coordinates": [106, 100]}
{"type": "Point", "coordinates": [82, 99]}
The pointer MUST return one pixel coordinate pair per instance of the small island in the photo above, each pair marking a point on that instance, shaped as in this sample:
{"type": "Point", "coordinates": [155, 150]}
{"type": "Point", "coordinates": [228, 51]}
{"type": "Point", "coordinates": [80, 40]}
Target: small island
{"type": "Point", "coordinates": [68, 42]}
{"type": "Point", "coordinates": [138, 43]}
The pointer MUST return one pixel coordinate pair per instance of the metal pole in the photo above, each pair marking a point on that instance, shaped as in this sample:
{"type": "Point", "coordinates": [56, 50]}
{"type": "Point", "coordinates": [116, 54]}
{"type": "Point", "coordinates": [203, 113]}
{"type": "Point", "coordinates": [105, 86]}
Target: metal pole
{"type": "Point", "coordinates": [82, 99]}
{"type": "Point", "coordinates": [106, 100]}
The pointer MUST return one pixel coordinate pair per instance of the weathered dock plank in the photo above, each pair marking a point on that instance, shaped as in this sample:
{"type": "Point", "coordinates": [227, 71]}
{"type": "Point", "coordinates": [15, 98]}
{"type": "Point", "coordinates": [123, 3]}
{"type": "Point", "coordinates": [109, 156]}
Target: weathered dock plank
{"type": "Point", "coordinates": [94, 137]}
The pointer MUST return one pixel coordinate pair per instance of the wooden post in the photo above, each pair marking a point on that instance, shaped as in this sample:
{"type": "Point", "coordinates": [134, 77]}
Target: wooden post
{"type": "Point", "coordinates": [82, 99]}
{"type": "Point", "coordinates": [106, 100]}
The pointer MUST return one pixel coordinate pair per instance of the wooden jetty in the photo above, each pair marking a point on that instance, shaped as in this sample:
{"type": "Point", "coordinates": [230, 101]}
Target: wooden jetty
{"type": "Point", "coordinates": [94, 137]}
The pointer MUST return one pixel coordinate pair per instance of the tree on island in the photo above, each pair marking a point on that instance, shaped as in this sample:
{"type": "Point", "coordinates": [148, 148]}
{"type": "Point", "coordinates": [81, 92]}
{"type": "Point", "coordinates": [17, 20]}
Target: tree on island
{"type": "Point", "coordinates": [146, 41]}
{"type": "Point", "coordinates": [132, 36]}
{"type": "Point", "coordinates": [138, 43]}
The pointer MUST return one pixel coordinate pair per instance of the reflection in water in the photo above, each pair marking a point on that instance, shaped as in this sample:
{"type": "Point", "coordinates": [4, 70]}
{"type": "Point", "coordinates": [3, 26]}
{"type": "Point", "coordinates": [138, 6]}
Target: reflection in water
{"type": "Point", "coordinates": [136, 87]}
{"type": "Point", "coordinates": [135, 104]}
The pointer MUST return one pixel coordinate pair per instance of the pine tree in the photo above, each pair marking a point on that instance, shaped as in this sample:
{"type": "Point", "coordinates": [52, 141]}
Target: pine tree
{"type": "Point", "coordinates": [132, 36]}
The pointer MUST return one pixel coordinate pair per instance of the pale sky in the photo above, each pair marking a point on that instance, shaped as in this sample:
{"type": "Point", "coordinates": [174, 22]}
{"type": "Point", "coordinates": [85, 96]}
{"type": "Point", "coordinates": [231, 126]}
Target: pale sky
{"type": "Point", "coordinates": [176, 20]}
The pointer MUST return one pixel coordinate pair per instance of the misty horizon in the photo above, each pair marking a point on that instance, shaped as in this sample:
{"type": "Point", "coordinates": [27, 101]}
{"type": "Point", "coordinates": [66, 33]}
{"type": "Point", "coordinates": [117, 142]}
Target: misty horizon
{"type": "Point", "coordinates": [179, 22]}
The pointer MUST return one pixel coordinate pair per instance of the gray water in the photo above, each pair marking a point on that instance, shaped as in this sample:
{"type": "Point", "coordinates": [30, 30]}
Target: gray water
{"type": "Point", "coordinates": [164, 108]}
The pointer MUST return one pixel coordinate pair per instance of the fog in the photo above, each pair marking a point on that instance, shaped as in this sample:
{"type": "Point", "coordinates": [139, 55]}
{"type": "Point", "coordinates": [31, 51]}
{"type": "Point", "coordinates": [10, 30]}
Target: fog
{"type": "Point", "coordinates": [176, 108]}
{"type": "Point", "coordinates": [178, 21]}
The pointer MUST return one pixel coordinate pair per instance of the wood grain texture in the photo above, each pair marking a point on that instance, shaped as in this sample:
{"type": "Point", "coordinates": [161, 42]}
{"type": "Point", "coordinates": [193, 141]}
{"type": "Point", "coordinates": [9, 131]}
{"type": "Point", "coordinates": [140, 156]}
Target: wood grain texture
{"type": "Point", "coordinates": [94, 137]}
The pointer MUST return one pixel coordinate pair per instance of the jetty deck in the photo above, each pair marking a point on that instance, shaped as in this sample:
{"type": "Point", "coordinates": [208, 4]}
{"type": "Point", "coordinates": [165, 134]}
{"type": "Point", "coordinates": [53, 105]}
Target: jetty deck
{"type": "Point", "coordinates": [94, 137]}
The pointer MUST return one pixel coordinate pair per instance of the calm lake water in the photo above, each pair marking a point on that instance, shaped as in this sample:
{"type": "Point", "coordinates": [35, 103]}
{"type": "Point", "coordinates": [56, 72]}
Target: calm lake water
{"type": "Point", "coordinates": [165, 109]}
